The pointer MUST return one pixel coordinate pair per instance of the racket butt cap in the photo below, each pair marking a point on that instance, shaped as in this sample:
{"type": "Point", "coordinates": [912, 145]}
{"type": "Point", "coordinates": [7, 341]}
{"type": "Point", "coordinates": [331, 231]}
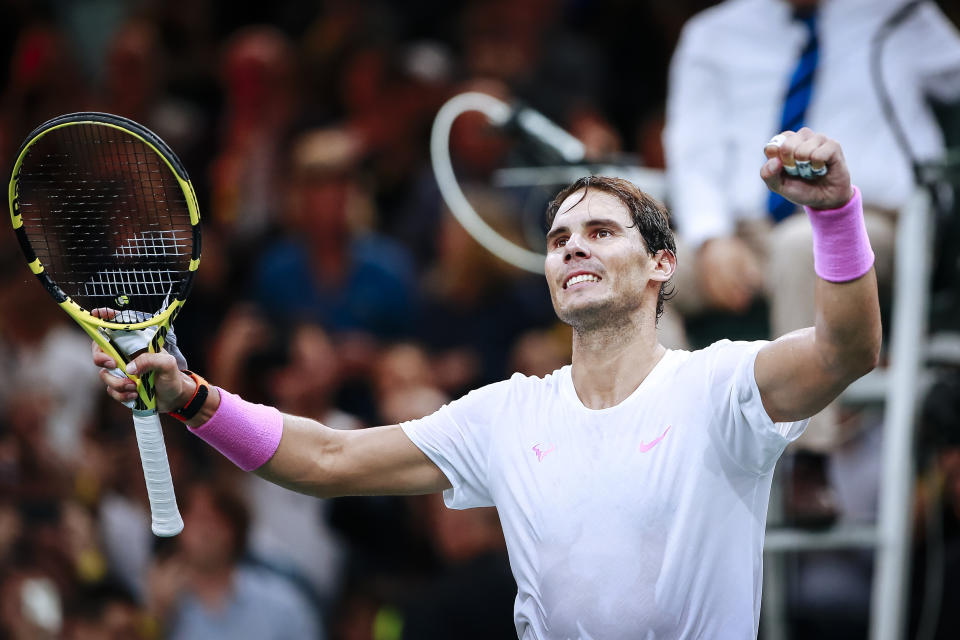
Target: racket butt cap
{"type": "Point", "coordinates": [168, 529]}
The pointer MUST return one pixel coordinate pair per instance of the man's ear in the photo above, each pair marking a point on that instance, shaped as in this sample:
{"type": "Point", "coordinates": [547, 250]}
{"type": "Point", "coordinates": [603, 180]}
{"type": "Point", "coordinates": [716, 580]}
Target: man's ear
{"type": "Point", "coordinates": [666, 265]}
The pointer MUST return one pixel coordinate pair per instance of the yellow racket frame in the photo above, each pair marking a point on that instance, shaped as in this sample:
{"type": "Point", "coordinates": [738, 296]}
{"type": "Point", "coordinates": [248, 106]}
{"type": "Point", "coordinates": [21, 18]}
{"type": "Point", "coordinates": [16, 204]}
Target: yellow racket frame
{"type": "Point", "coordinates": [94, 326]}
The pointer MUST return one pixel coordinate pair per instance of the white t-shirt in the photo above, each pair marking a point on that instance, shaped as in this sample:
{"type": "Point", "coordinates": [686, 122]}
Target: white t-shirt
{"type": "Point", "coordinates": [644, 520]}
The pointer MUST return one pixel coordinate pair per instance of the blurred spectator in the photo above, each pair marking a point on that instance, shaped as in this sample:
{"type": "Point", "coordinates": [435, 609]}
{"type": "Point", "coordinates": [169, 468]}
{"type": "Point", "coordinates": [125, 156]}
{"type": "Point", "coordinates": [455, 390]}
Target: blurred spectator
{"type": "Point", "coordinates": [203, 590]}
{"type": "Point", "coordinates": [217, 287]}
{"type": "Point", "coordinates": [43, 82]}
{"type": "Point", "coordinates": [472, 595]}
{"type": "Point", "coordinates": [476, 148]}
{"type": "Point", "coordinates": [743, 71]}
{"type": "Point", "coordinates": [327, 41]}
{"type": "Point", "coordinates": [474, 304]}
{"type": "Point", "coordinates": [80, 543]}
{"type": "Point", "coordinates": [106, 612]}
{"type": "Point", "coordinates": [31, 604]}
{"type": "Point", "coordinates": [524, 44]}
{"type": "Point", "coordinates": [381, 91]}
{"type": "Point", "coordinates": [193, 45]}
{"type": "Point", "coordinates": [135, 86]}
{"type": "Point", "coordinates": [258, 74]}
{"type": "Point", "coordinates": [539, 352]}
{"type": "Point", "coordinates": [405, 382]}
{"type": "Point", "coordinates": [289, 533]}
{"type": "Point", "coordinates": [377, 527]}
{"type": "Point", "coordinates": [89, 27]}
{"type": "Point", "coordinates": [389, 105]}
{"type": "Point", "coordinates": [288, 530]}
{"type": "Point", "coordinates": [44, 368]}
{"type": "Point", "coordinates": [520, 51]}
{"type": "Point", "coordinates": [11, 530]}
{"type": "Point", "coordinates": [327, 266]}
{"type": "Point", "coordinates": [33, 472]}
{"type": "Point", "coordinates": [595, 132]}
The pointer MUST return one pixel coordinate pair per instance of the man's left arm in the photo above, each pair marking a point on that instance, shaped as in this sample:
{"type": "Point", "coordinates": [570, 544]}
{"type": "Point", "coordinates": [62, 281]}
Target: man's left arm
{"type": "Point", "coordinates": [802, 372]}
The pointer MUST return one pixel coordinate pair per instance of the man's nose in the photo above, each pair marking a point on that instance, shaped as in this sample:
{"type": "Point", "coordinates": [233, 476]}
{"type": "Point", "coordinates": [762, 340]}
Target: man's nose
{"type": "Point", "coordinates": [575, 247]}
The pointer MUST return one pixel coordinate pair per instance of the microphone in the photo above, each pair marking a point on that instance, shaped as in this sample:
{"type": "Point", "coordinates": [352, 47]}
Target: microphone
{"type": "Point", "coordinates": [548, 136]}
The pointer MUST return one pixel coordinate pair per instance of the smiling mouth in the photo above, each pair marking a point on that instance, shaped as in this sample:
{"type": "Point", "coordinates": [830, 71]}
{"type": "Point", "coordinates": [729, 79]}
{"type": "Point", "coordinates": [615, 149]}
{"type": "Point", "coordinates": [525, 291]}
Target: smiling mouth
{"type": "Point", "coordinates": [583, 277]}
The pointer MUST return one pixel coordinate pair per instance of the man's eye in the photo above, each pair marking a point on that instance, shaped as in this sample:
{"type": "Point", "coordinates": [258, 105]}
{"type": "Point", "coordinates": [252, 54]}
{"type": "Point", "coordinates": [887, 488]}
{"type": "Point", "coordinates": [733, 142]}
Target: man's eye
{"type": "Point", "coordinates": [603, 233]}
{"type": "Point", "coordinates": [561, 242]}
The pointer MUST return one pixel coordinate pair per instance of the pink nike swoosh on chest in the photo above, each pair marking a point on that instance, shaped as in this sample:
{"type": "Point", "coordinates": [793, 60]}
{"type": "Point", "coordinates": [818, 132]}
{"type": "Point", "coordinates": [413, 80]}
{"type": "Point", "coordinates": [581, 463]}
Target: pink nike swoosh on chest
{"type": "Point", "coordinates": [644, 447]}
{"type": "Point", "coordinates": [541, 453]}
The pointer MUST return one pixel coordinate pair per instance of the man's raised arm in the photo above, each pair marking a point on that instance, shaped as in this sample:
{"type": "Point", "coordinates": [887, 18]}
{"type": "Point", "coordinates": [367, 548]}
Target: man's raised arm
{"type": "Point", "coordinates": [802, 372]}
{"type": "Point", "coordinates": [297, 453]}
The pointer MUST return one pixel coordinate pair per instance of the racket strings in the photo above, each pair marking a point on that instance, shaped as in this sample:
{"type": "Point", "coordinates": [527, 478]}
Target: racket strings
{"type": "Point", "coordinates": [107, 218]}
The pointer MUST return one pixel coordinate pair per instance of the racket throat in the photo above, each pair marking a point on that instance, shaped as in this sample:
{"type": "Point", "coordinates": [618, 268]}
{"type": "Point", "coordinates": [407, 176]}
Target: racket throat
{"type": "Point", "coordinates": [130, 344]}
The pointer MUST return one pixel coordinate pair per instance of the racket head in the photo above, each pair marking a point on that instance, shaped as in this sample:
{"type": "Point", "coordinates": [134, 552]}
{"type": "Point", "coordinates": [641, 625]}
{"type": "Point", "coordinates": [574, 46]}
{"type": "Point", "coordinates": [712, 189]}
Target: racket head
{"type": "Point", "coordinates": [106, 217]}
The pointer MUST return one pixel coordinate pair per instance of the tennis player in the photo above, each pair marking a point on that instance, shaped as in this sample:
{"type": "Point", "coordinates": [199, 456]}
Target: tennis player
{"type": "Point", "coordinates": [633, 484]}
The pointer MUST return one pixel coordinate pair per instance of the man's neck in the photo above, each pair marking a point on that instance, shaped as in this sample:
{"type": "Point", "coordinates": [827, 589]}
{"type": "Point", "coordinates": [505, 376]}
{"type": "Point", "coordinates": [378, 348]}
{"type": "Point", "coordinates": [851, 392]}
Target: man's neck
{"type": "Point", "coordinates": [610, 362]}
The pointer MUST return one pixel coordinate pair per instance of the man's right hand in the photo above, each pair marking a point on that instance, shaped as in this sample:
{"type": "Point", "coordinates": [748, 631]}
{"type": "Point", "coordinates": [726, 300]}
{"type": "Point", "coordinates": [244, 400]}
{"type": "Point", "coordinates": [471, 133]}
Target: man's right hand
{"type": "Point", "coordinates": [728, 274]}
{"type": "Point", "coordinates": [173, 388]}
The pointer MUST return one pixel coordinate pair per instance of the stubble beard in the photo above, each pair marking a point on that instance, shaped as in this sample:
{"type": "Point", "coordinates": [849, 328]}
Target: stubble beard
{"type": "Point", "coordinates": [601, 317]}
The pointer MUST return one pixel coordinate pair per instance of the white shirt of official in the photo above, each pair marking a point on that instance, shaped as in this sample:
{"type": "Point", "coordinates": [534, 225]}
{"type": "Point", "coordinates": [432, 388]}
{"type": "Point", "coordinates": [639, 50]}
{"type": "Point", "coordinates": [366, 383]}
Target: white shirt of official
{"type": "Point", "coordinates": [728, 77]}
{"type": "Point", "coordinates": [643, 520]}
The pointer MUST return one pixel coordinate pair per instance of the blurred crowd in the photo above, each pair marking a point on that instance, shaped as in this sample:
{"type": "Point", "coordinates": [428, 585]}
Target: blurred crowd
{"type": "Point", "coordinates": [333, 284]}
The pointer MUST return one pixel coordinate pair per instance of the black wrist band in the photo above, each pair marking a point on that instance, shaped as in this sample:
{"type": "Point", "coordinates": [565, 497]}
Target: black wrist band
{"type": "Point", "coordinates": [196, 402]}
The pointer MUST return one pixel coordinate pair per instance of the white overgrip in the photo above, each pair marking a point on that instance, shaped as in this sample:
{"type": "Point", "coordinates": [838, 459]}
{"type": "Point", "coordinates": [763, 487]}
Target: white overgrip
{"type": "Point", "coordinates": [156, 472]}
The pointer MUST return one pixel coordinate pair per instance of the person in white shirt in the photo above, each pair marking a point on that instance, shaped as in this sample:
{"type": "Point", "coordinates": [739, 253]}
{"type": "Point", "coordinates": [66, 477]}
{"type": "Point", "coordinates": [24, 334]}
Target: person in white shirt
{"type": "Point", "coordinates": [632, 485]}
{"type": "Point", "coordinates": [729, 76]}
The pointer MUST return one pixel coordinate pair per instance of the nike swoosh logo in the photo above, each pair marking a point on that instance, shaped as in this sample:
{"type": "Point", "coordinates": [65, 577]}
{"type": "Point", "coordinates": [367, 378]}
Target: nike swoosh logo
{"type": "Point", "coordinates": [540, 452]}
{"type": "Point", "coordinates": [644, 447]}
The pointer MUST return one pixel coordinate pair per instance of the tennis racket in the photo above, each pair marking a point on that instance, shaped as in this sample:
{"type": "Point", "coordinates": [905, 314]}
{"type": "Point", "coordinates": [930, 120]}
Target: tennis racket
{"type": "Point", "coordinates": [107, 219]}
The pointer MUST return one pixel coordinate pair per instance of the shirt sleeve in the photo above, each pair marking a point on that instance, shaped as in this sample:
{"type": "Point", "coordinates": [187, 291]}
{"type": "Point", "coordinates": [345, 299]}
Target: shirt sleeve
{"type": "Point", "coordinates": [934, 47]}
{"type": "Point", "coordinates": [741, 423]}
{"type": "Point", "coordinates": [695, 113]}
{"type": "Point", "coordinates": [457, 439]}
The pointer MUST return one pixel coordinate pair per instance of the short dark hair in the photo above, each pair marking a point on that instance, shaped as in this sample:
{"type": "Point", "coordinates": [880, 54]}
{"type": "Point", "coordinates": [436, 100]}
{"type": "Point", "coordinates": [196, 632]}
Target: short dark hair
{"type": "Point", "coordinates": [649, 217]}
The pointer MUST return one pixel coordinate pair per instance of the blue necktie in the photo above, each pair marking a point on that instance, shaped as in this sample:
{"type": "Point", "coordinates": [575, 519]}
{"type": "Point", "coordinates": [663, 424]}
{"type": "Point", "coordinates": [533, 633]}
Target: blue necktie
{"type": "Point", "coordinates": [795, 103]}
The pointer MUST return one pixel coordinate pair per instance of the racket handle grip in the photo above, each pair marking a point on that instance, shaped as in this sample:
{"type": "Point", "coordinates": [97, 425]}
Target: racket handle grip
{"type": "Point", "coordinates": [156, 472]}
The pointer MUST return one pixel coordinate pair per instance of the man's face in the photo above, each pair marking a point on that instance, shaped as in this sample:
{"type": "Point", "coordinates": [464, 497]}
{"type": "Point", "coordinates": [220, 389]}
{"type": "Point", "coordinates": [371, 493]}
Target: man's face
{"type": "Point", "coordinates": [597, 264]}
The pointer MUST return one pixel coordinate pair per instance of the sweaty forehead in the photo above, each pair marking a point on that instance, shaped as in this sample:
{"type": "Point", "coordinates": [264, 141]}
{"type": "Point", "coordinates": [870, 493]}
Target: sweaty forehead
{"type": "Point", "coordinates": [596, 203]}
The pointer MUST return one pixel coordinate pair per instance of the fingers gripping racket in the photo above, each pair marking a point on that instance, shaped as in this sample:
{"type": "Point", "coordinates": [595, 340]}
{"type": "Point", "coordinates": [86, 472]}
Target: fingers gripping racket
{"type": "Point", "coordinates": [107, 219]}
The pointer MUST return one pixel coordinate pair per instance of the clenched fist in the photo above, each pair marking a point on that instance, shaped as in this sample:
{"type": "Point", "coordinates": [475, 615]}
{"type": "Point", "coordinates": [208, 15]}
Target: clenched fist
{"type": "Point", "coordinates": [827, 182]}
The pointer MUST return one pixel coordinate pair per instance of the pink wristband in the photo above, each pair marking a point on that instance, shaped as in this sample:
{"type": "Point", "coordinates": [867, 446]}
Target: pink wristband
{"type": "Point", "coordinates": [841, 248]}
{"type": "Point", "coordinates": [246, 433]}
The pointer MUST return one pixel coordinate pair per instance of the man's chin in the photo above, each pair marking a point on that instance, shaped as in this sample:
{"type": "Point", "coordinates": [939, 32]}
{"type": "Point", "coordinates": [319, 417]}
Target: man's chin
{"type": "Point", "coordinates": [587, 316]}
